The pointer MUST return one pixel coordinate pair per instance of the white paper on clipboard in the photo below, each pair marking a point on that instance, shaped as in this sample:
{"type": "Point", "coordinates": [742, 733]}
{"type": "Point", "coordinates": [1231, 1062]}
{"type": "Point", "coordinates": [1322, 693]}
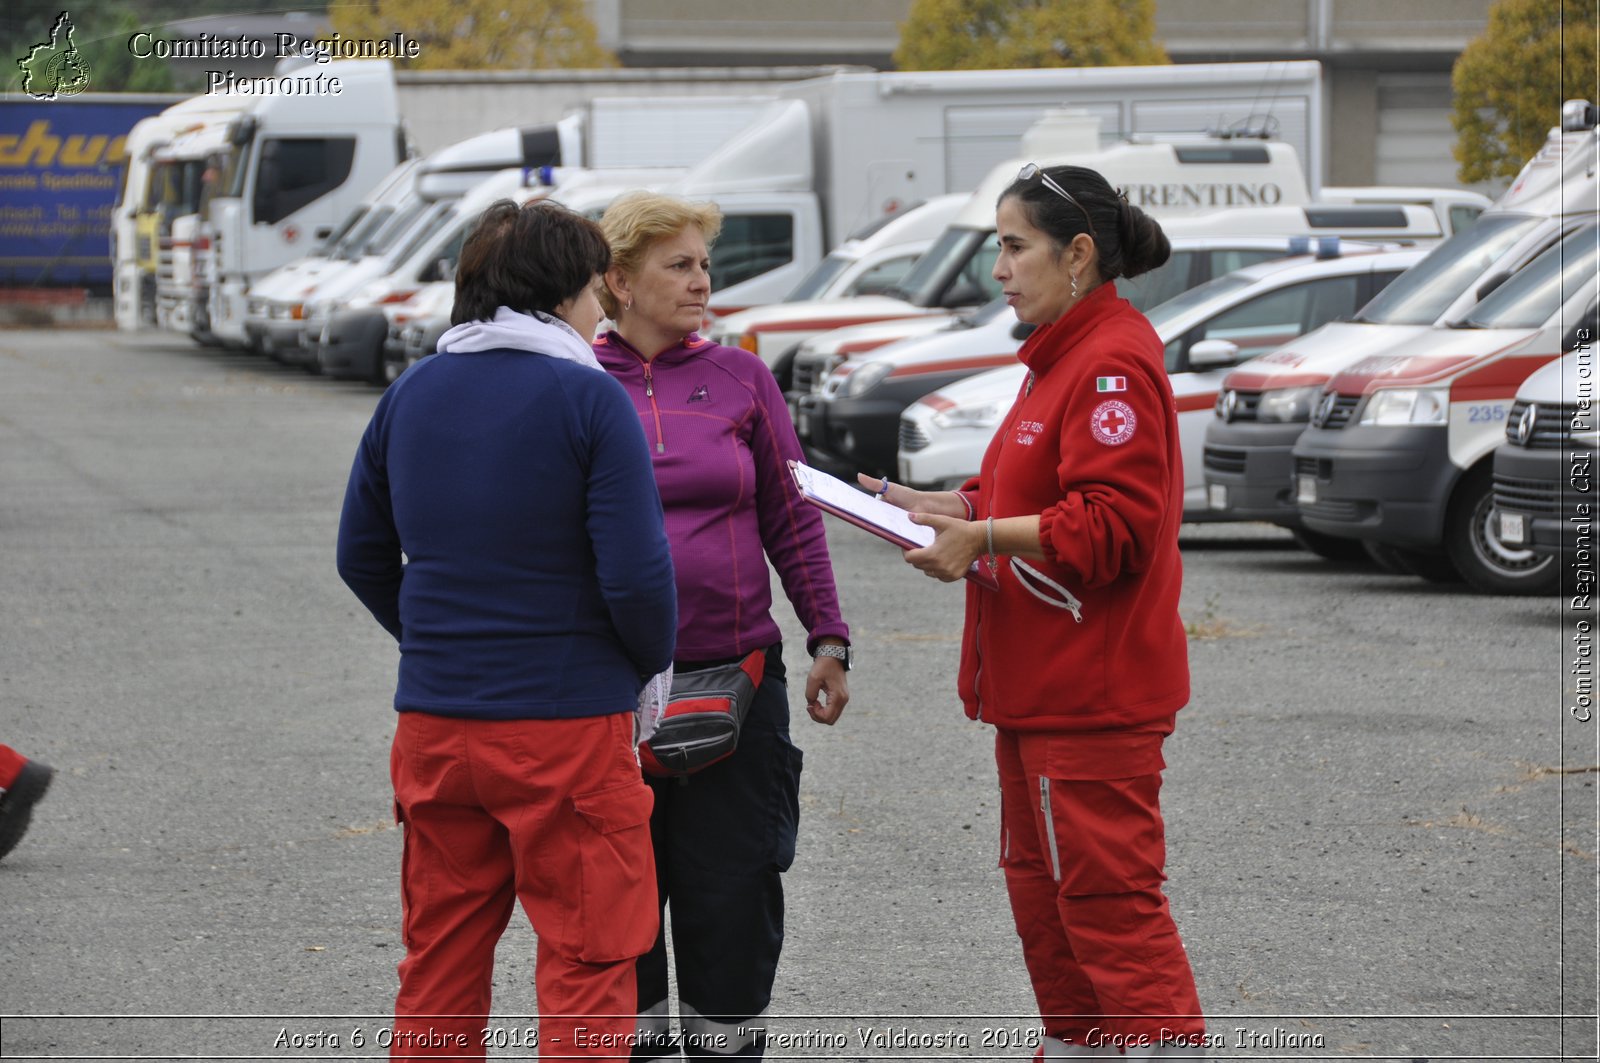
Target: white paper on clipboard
{"type": "Point", "coordinates": [870, 513]}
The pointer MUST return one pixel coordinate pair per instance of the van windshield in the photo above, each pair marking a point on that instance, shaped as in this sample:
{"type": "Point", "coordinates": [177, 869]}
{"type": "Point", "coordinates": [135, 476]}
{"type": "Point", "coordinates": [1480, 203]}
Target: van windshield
{"type": "Point", "coordinates": [1179, 305]}
{"type": "Point", "coordinates": [816, 282]}
{"type": "Point", "coordinates": [1534, 294]}
{"type": "Point", "coordinates": [399, 226]}
{"type": "Point", "coordinates": [955, 271]}
{"type": "Point", "coordinates": [1422, 293]}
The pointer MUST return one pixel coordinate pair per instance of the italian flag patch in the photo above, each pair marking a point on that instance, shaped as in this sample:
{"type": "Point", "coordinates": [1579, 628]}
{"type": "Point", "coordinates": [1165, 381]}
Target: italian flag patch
{"type": "Point", "coordinates": [1111, 383]}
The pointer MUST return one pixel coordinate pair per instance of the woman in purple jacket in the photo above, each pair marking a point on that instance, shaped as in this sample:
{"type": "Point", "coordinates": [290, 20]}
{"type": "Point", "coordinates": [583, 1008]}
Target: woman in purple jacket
{"type": "Point", "coordinates": [720, 437]}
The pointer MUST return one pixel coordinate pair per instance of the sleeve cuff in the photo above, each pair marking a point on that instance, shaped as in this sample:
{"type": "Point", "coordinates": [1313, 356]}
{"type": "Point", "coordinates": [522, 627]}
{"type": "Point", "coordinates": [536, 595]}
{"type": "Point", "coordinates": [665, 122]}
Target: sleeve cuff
{"type": "Point", "coordinates": [838, 630]}
{"type": "Point", "coordinates": [1049, 521]}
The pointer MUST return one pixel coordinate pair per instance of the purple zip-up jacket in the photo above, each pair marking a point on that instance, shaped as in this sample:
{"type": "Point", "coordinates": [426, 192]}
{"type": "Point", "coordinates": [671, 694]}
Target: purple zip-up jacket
{"type": "Point", "coordinates": [720, 439]}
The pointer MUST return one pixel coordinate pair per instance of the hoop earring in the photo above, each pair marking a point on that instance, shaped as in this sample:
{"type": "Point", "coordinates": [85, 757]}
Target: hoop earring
{"type": "Point", "coordinates": [629, 306]}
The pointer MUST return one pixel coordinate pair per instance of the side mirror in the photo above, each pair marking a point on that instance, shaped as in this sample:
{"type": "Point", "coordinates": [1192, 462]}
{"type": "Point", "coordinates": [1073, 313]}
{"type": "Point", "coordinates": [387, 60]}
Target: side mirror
{"type": "Point", "coordinates": [1022, 330]}
{"type": "Point", "coordinates": [1208, 354]}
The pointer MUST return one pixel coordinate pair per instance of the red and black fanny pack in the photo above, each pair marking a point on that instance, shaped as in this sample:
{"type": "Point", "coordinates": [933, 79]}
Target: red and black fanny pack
{"type": "Point", "coordinates": [704, 713]}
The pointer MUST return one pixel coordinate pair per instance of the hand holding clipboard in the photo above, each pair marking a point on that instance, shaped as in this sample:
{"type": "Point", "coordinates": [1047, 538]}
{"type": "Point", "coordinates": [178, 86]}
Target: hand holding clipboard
{"type": "Point", "coordinates": [865, 511]}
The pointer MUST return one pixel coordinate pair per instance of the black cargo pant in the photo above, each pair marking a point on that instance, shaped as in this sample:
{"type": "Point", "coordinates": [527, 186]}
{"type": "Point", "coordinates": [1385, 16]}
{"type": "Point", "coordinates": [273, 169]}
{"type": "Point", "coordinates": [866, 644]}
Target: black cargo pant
{"type": "Point", "coordinates": [723, 836]}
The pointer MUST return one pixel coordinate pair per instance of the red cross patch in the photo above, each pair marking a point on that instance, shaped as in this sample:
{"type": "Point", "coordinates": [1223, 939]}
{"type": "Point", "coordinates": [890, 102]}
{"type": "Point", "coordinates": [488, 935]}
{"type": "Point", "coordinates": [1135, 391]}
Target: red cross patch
{"type": "Point", "coordinates": [1113, 422]}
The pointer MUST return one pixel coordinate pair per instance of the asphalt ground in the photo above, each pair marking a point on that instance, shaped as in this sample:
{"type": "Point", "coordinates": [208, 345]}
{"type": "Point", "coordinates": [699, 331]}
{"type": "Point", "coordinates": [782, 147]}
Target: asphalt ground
{"type": "Point", "coordinates": [1381, 810]}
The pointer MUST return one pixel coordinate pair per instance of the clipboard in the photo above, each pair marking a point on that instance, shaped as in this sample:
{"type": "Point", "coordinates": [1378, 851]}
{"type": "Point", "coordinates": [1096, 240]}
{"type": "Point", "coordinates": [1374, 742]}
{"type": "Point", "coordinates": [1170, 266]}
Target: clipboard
{"type": "Point", "coordinates": [870, 513]}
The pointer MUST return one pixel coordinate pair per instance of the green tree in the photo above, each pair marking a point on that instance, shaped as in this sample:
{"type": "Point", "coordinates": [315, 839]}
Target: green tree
{"type": "Point", "coordinates": [481, 34]}
{"type": "Point", "coordinates": [1510, 82]}
{"type": "Point", "coordinates": [1010, 34]}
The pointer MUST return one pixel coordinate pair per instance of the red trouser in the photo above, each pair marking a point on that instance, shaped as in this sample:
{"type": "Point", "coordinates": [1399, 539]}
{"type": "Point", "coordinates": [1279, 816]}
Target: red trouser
{"type": "Point", "coordinates": [549, 812]}
{"type": "Point", "coordinates": [1083, 862]}
{"type": "Point", "coordinates": [11, 763]}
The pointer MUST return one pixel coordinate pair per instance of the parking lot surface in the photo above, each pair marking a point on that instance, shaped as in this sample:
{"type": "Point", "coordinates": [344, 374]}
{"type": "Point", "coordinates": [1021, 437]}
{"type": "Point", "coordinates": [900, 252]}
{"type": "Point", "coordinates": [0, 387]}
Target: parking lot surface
{"type": "Point", "coordinates": [1381, 808]}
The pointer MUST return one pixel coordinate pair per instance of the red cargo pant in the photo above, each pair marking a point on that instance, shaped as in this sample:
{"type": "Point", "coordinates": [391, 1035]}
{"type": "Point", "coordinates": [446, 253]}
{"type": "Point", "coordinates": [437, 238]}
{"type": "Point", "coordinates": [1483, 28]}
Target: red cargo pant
{"type": "Point", "coordinates": [553, 813]}
{"type": "Point", "coordinates": [1083, 861]}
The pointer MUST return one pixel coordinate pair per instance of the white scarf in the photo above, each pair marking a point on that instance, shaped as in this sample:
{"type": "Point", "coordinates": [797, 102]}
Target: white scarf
{"type": "Point", "coordinates": [537, 332]}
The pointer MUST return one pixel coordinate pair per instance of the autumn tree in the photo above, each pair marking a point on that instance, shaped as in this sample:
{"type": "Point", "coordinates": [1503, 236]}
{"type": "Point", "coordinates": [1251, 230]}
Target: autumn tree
{"type": "Point", "coordinates": [1011, 34]}
{"type": "Point", "coordinates": [480, 34]}
{"type": "Point", "coordinates": [1510, 82]}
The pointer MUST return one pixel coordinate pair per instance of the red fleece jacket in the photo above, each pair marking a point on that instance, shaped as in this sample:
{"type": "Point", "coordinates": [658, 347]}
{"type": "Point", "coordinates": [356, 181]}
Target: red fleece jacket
{"type": "Point", "coordinates": [1091, 446]}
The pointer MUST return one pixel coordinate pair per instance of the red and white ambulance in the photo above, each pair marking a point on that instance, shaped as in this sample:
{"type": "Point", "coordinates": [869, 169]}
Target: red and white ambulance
{"type": "Point", "coordinates": [1400, 447]}
{"type": "Point", "coordinates": [1266, 404]}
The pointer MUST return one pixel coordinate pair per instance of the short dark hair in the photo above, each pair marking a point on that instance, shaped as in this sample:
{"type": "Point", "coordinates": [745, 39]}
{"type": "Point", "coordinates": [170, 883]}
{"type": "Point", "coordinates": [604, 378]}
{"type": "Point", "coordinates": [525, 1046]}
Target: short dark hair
{"type": "Point", "coordinates": [527, 258]}
{"type": "Point", "coordinates": [1129, 241]}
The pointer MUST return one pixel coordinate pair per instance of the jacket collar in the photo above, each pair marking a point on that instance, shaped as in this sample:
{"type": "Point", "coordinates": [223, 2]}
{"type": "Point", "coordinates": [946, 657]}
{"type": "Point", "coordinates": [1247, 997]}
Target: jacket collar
{"type": "Point", "coordinates": [615, 352]}
{"type": "Point", "coordinates": [1049, 342]}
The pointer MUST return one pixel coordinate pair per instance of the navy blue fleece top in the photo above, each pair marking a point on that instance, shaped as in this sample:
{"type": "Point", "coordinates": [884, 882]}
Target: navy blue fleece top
{"type": "Point", "coordinates": [536, 580]}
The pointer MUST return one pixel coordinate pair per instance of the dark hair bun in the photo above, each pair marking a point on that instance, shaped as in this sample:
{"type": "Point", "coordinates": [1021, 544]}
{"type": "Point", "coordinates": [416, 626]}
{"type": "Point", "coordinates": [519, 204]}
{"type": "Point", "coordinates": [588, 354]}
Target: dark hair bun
{"type": "Point", "coordinates": [1144, 245]}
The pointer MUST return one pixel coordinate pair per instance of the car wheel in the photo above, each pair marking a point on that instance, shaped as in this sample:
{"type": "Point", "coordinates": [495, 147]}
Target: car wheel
{"type": "Point", "coordinates": [1331, 547]}
{"type": "Point", "coordinates": [1472, 539]}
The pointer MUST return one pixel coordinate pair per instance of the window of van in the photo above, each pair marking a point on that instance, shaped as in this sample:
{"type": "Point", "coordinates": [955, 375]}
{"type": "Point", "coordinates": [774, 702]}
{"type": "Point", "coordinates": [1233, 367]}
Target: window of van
{"type": "Point", "coordinates": [1540, 288]}
{"type": "Point", "coordinates": [296, 171]}
{"type": "Point", "coordinates": [1272, 319]}
{"type": "Point", "coordinates": [1462, 216]}
{"type": "Point", "coordinates": [750, 245]}
{"type": "Point", "coordinates": [1425, 290]}
{"type": "Point", "coordinates": [816, 282]}
{"type": "Point", "coordinates": [885, 275]}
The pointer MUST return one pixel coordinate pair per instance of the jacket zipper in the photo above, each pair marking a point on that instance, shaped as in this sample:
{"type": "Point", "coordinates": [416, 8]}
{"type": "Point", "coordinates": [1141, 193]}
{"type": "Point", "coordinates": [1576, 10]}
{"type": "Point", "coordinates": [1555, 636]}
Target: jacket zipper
{"type": "Point", "coordinates": [977, 627]}
{"type": "Point", "coordinates": [1049, 826]}
{"type": "Point", "coordinates": [655, 411]}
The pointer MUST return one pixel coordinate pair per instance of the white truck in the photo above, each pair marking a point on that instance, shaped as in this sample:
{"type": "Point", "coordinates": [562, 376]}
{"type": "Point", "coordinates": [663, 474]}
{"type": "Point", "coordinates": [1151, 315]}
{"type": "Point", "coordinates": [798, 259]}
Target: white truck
{"type": "Point", "coordinates": [297, 165]}
{"type": "Point", "coordinates": [869, 143]}
{"type": "Point", "coordinates": [138, 220]}
{"type": "Point", "coordinates": [955, 273]}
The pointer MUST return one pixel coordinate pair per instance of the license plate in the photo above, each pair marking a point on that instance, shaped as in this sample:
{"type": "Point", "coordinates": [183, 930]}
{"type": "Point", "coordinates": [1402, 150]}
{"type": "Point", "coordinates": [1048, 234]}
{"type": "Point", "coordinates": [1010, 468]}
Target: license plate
{"type": "Point", "coordinates": [1217, 496]}
{"type": "Point", "coordinates": [1306, 494]}
{"type": "Point", "coordinates": [1512, 528]}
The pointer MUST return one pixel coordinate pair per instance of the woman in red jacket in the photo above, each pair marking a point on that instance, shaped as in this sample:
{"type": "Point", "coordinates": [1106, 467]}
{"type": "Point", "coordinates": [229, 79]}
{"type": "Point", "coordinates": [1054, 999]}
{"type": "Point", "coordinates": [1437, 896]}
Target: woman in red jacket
{"type": "Point", "coordinates": [1079, 659]}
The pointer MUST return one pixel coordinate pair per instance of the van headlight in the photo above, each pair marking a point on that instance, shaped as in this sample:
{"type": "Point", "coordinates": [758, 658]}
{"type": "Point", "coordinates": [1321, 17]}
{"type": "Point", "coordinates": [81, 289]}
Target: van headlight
{"type": "Point", "coordinates": [1287, 405]}
{"type": "Point", "coordinates": [1397, 406]}
{"type": "Point", "coordinates": [865, 379]}
{"type": "Point", "coordinates": [984, 415]}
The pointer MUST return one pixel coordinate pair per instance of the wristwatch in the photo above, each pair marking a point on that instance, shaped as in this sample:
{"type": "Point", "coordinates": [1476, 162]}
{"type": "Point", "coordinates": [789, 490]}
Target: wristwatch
{"type": "Point", "coordinates": [843, 654]}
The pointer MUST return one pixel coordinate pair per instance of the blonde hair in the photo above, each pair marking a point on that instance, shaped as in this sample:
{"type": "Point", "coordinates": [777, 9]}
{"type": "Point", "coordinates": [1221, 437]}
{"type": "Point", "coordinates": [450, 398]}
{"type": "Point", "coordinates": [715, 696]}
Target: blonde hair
{"type": "Point", "coordinates": [637, 220]}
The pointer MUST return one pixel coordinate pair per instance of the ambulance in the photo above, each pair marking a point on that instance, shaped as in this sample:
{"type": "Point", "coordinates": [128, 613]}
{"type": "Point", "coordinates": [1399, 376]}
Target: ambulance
{"type": "Point", "coordinates": [1545, 471]}
{"type": "Point", "coordinates": [1399, 450]}
{"type": "Point", "coordinates": [1266, 404]}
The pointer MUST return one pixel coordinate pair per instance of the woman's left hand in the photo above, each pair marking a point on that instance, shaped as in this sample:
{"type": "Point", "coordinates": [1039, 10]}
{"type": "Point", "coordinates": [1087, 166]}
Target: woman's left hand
{"type": "Point", "coordinates": [827, 689]}
{"type": "Point", "coordinates": [956, 545]}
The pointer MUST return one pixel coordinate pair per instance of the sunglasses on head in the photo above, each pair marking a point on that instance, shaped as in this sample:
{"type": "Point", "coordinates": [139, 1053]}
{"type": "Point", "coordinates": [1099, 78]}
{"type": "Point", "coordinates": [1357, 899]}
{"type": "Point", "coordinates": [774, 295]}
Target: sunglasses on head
{"type": "Point", "coordinates": [1033, 169]}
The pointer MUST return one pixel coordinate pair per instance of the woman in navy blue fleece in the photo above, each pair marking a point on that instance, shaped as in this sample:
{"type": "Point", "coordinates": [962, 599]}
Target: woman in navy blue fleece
{"type": "Point", "coordinates": [503, 524]}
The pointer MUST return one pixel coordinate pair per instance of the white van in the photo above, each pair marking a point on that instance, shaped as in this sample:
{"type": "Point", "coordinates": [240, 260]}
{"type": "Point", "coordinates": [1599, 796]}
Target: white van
{"type": "Point", "coordinates": [1545, 471]}
{"type": "Point", "coordinates": [1266, 404]}
{"type": "Point", "coordinates": [1399, 451]}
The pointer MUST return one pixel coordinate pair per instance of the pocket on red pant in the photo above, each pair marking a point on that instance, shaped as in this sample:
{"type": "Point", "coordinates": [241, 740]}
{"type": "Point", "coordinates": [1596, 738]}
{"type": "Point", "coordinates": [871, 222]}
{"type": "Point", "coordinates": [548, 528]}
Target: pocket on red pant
{"type": "Point", "coordinates": [618, 912]}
